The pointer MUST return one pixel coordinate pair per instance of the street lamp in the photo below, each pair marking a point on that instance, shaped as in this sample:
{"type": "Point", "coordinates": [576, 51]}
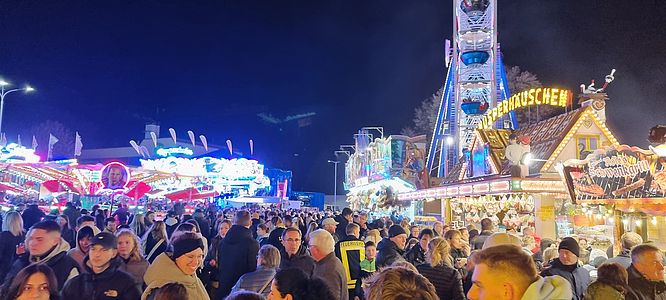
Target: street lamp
{"type": "Point", "coordinates": [335, 183]}
{"type": "Point", "coordinates": [4, 92]}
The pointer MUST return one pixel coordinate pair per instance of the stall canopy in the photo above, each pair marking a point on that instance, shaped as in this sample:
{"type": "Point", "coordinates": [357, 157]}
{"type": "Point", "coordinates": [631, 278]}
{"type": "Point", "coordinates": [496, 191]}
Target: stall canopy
{"type": "Point", "coordinates": [190, 194]}
{"type": "Point", "coordinates": [137, 189]}
{"type": "Point", "coordinates": [57, 186]}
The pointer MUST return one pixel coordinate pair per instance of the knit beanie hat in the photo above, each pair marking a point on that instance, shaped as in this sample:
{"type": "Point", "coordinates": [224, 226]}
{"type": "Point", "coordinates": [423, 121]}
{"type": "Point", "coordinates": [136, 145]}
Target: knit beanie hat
{"type": "Point", "coordinates": [570, 244]}
{"type": "Point", "coordinates": [396, 230]}
{"type": "Point", "coordinates": [184, 246]}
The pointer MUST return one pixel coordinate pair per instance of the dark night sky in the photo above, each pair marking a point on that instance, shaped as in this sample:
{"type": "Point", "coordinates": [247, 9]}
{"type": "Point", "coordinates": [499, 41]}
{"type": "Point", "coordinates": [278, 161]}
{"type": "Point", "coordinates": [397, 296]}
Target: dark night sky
{"type": "Point", "coordinates": [104, 68]}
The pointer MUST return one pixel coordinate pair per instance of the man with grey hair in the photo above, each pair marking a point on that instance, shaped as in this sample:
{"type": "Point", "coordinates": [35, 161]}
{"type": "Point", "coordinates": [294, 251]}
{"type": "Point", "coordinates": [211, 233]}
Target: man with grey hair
{"type": "Point", "coordinates": [646, 273]}
{"type": "Point", "coordinates": [327, 266]}
{"type": "Point", "coordinates": [628, 240]}
{"type": "Point", "coordinates": [260, 280]}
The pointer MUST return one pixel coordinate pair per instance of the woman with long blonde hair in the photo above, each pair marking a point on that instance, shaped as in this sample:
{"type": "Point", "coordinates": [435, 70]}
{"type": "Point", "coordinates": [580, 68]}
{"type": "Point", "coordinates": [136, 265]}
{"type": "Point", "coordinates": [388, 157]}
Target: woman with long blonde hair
{"type": "Point", "coordinates": [138, 224]}
{"type": "Point", "coordinates": [12, 235]}
{"type": "Point", "coordinates": [129, 250]}
{"type": "Point", "coordinates": [440, 272]}
{"type": "Point", "coordinates": [154, 241]}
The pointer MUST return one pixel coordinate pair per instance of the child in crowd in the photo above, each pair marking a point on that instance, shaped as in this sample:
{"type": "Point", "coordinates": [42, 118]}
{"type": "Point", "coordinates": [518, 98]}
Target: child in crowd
{"type": "Point", "coordinates": [368, 264]}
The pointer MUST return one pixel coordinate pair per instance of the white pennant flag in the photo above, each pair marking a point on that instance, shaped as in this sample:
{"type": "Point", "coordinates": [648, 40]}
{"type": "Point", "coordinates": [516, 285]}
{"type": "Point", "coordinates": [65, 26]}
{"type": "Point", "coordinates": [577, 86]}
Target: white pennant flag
{"type": "Point", "coordinates": [52, 141]}
{"type": "Point", "coordinates": [18, 140]}
{"type": "Point", "coordinates": [34, 143]}
{"type": "Point", "coordinates": [78, 145]}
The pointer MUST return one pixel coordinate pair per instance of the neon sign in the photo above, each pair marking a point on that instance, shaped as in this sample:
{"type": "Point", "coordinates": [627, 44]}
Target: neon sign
{"type": "Point", "coordinates": [532, 97]}
{"type": "Point", "coordinates": [165, 152]}
{"type": "Point", "coordinates": [115, 176]}
{"type": "Point", "coordinates": [15, 153]}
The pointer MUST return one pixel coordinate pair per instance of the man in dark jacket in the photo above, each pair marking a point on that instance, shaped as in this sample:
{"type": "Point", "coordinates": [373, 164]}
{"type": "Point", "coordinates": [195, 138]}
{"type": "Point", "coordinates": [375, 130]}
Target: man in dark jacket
{"type": "Point", "coordinates": [343, 219]}
{"type": "Point", "coordinates": [32, 215]}
{"type": "Point", "coordinates": [416, 255]}
{"type": "Point", "coordinates": [567, 266]}
{"type": "Point", "coordinates": [391, 249]}
{"type": "Point", "coordinates": [646, 274]}
{"type": "Point", "coordinates": [237, 254]}
{"type": "Point", "coordinates": [44, 245]}
{"type": "Point", "coordinates": [486, 231]}
{"type": "Point", "coordinates": [102, 279]}
{"type": "Point", "coordinates": [72, 214]}
{"type": "Point", "coordinates": [294, 254]}
{"type": "Point", "coordinates": [351, 251]}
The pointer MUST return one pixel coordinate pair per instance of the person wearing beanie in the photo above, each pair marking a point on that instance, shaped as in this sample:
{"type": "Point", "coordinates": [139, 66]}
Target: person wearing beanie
{"type": "Point", "coordinates": [178, 264]}
{"type": "Point", "coordinates": [392, 248]}
{"type": "Point", "coordinates": [102, 279]}
{"type": "Point", "coordinates": [567, 266]}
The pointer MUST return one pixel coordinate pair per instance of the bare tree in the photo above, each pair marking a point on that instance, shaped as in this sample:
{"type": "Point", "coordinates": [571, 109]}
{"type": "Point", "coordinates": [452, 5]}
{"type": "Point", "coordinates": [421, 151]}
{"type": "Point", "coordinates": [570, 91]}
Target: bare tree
{"type": "Point", "coordinates": [64, 148]}
{"type": "Point", "coordinates": [425, 115]}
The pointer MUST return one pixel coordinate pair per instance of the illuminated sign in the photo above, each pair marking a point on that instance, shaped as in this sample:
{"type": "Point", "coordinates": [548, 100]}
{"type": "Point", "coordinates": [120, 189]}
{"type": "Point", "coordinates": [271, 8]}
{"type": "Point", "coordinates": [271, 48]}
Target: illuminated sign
{"type": "Point", "coordinates": [616, 172]}
{"type": "Point", "coordinates": [165, 152]}
{"type": "Point", "coordinates": [532, 97]}
{"type": "Point", "coordinates": [115, 176]}
{"type": "Point", "coordinates": [15, 153]}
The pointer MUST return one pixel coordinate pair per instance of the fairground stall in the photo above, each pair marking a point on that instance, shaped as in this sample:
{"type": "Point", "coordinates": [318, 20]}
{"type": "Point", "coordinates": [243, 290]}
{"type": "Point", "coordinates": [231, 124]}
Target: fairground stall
{"type": "Point", "coordinates": [516, 182]}
{"type": "Point", "coordinates": [379, 169]}
{"type": "Point", "coordinates": [622, 189]}
{"type": "Point", "coordinates": [157, 182]}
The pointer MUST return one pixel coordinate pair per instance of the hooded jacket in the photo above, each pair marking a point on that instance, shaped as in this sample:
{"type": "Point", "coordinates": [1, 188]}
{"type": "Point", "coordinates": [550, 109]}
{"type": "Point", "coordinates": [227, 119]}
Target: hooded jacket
{"type": "Point", "coordinates": [258, 281]}
{"type": "Point", "coordinates": [76, 253]}
{"type": "Point", "coordinates": [579, 277]}
{"type": "Point", "coordinates": [549, 288]}
{"type": "Point", "coordinates": [643, 288]}
{"type": "Point", "coordinates": [387, 253]}
{"type": "Point", "coordinates": [238, 255]}
{"type": "Point", "coordinates": [112, 283]}
{"type": "Point", "coordinates": [63, 266]}
{"type": "Point", "coordinates": [164, 270]}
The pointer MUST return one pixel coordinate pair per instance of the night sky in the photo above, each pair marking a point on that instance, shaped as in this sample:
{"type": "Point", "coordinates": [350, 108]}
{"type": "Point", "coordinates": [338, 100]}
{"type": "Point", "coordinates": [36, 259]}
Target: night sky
{"type": "Point", "coordinates": [105, 68]}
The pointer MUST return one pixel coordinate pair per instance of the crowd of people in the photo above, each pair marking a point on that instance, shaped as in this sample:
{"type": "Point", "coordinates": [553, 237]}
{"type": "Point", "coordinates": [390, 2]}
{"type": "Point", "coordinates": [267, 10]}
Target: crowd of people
{"type": "Point", "coordinates": [268, 253]}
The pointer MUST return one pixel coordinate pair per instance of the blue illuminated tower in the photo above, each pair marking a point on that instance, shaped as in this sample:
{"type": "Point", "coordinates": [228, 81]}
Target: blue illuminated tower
{"type": "Point", "coordinates": [475, 82]}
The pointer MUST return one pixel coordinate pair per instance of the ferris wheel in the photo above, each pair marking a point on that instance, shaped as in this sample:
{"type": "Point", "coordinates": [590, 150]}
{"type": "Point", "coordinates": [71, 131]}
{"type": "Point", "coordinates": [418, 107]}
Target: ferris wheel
{"type": "Point", "coordinates": [475, 82]}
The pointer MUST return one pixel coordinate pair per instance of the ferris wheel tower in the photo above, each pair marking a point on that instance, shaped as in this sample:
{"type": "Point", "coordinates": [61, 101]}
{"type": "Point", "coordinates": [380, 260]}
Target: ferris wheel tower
{"type": "Point", "coordinates": [475, 82]}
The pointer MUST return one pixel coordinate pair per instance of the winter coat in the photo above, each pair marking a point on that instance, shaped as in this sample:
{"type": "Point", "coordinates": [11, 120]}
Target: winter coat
{"type": "Point", "coordinates": [549, 288]}
{"type": "Point", "coordinates": [275, 238]}
{"type": "Point", "coordinates": [601, 291]}
{"type": "Point", "coordinates": [69, 236]}
{"type": "Point", "coordinates": [63, 266]}
{"type": "Point", "coordinates": [112, 283]}
{"type": "Point", "coordinates": [136, 268]}
{"type": "Point", "coordinates": [76, 253]}
{"type": "Point", "coordinates": [447, 281]}
{"type": "Point", "coordinates": [415, 255]}
{"type": "Point", "coordinates": [341, 229]}
{"type": "Point", "coordinates": [164, 270]}
{"type": "Point", "coordinates": [579, 278]}
{"type": "Point", "coordinates": [204, 225]}
{"type": "Point", "coordinates": [258, 281]}
{"type": "Point", "coordinates": [330, 270]}
{"type": "Point", "coordinates": [212, 255]}
{"type": "Point", "coordinates": [72, 214]}
{"type": "Point", "coordinates": [150, 244]}
{"type": "Point", "coordinates": [387, 253]}
{"type": "Point", "coordinates": [301, 260]}
{"type": "Point", "coordinates": [238, 255]}
{"type": "Point", "coordinates": [624, 258]}
{"type": "Point", "coordinates": [644, 289]}
{"type": "Point", "coordinates": [8, 243]}
{"type": "Point", "coordinates": [32, 215]}
{"type": "Point", "coordinates": [477, 242]}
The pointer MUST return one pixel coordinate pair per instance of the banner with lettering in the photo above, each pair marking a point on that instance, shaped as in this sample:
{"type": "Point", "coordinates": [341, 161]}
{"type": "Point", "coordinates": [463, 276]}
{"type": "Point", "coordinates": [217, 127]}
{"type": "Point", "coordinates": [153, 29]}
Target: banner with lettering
{"type": "Point", "coordinates": [616, 172]}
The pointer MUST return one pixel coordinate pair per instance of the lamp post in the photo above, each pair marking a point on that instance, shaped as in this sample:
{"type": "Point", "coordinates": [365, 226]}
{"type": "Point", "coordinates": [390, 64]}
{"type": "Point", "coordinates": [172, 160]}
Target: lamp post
{"type": "Point", "coordinates": [335, 183]}
{"type": "Point", "coordinates": [4, 92]}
